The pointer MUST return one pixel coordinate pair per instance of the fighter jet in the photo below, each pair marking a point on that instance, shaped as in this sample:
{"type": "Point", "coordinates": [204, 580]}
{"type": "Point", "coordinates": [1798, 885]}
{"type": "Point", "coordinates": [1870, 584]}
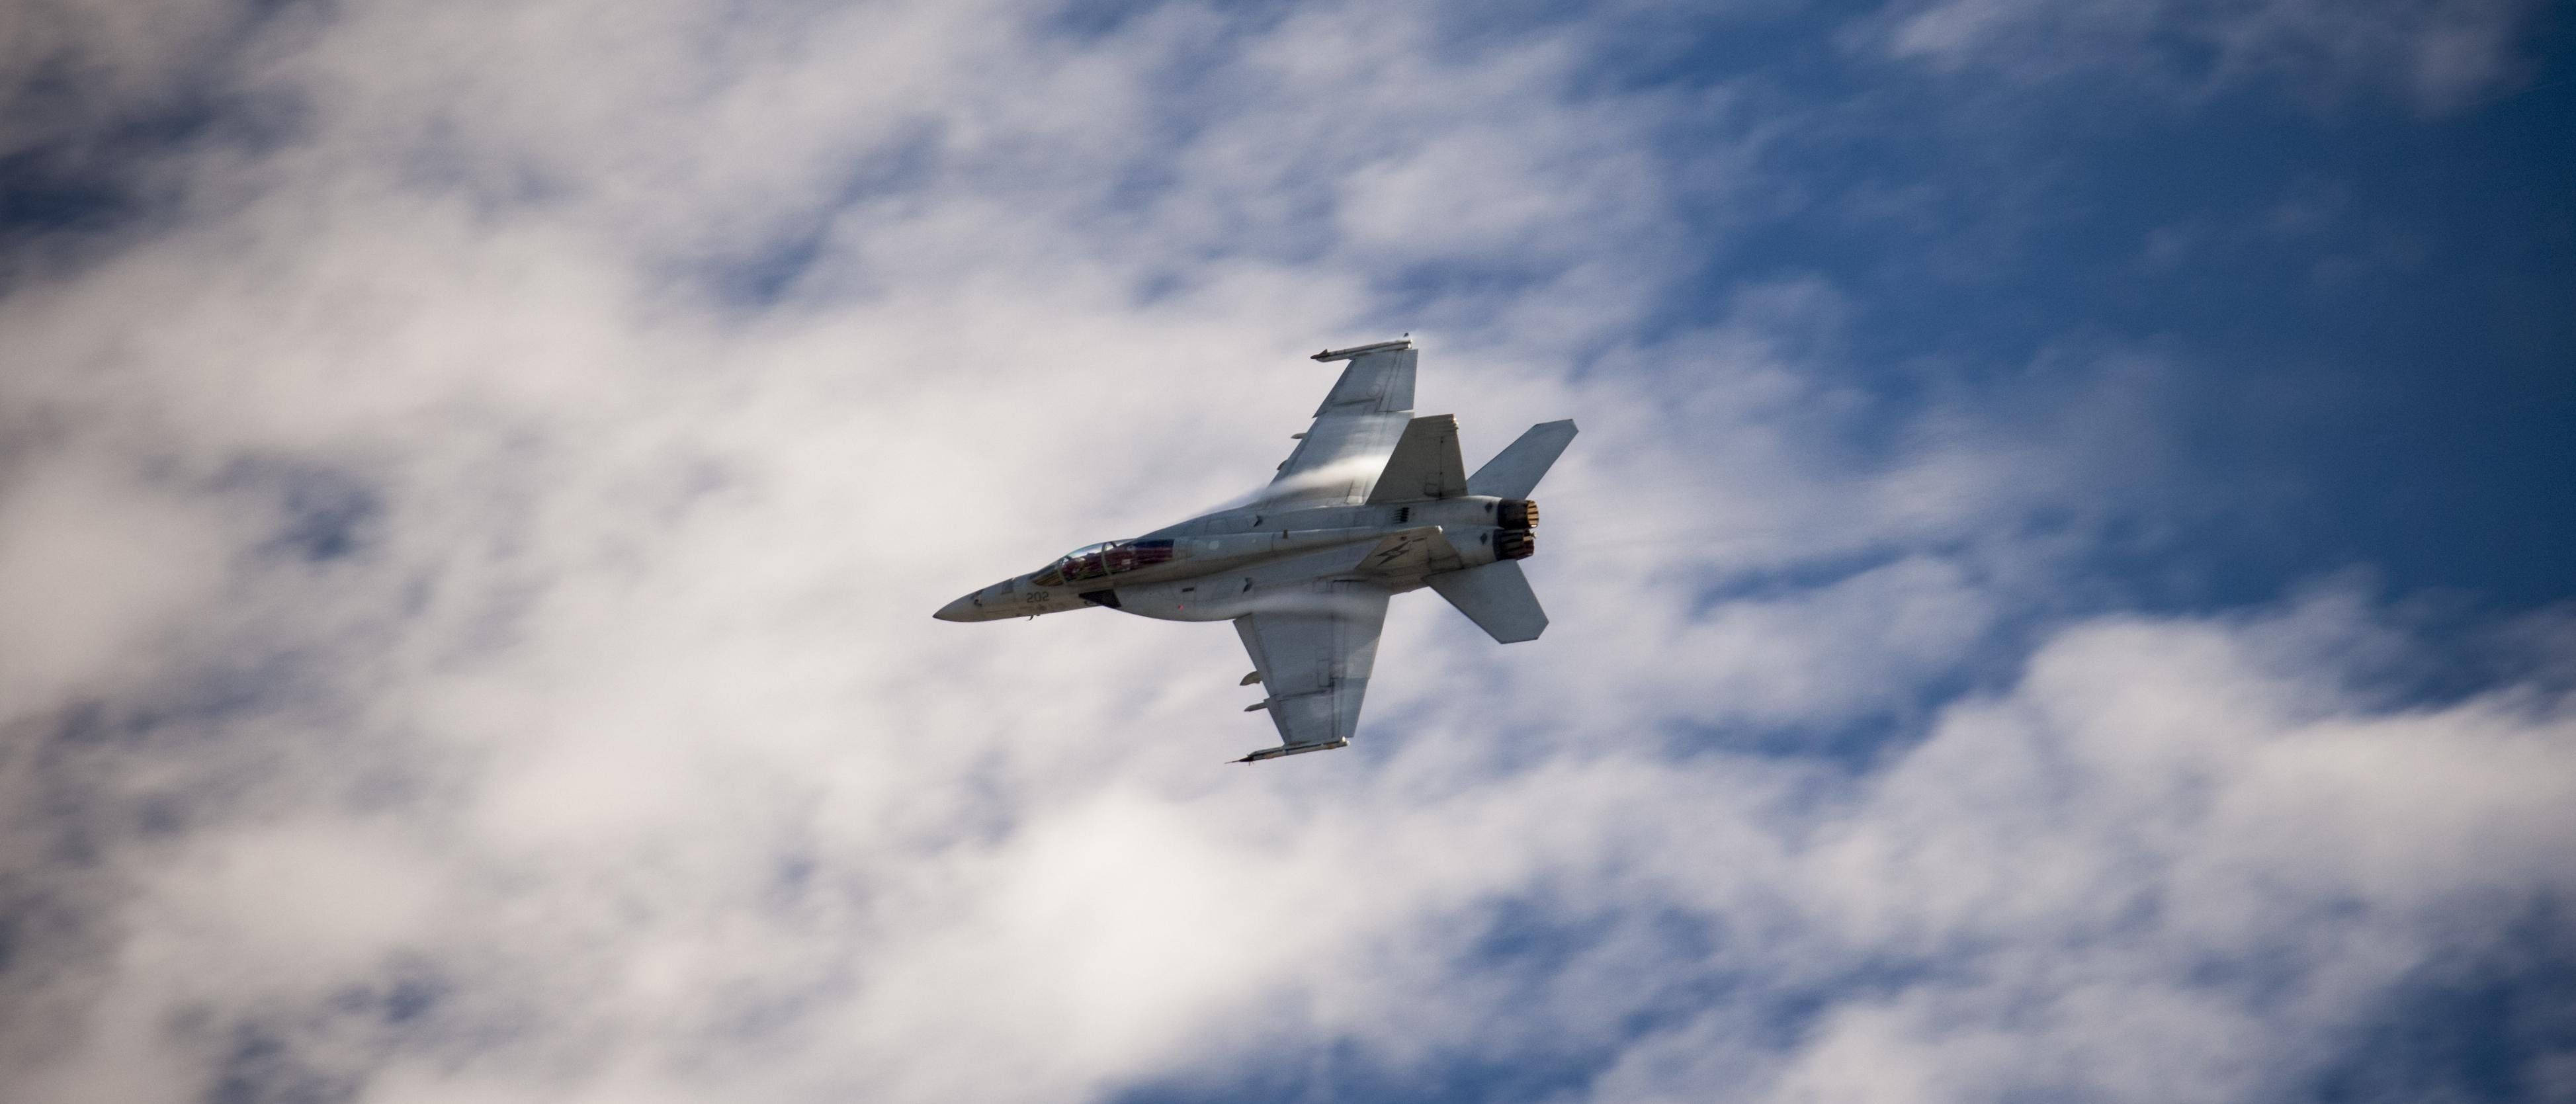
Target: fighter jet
{"type": "Point", "coordinates": [1372, 503]}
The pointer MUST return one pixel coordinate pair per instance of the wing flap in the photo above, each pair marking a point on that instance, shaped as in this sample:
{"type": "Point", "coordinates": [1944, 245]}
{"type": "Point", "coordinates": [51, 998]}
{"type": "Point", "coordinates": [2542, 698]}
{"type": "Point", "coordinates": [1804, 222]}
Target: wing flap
{"type": "Point", "coordinates": [1315, 662]}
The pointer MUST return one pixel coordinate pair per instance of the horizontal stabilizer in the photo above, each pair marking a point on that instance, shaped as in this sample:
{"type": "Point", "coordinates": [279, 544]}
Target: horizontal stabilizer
{"type": "Point", "coordinates": [1425, 464]}
{"type": "Point", "coordinates": [1496, 597]}
{"type": "Point", "coordinates": [1515, 472]}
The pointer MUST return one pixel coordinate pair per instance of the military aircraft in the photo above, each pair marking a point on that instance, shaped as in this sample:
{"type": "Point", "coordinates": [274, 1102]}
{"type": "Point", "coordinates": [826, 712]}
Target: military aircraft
{"type": "Point", "coordinates": [1372, 503]}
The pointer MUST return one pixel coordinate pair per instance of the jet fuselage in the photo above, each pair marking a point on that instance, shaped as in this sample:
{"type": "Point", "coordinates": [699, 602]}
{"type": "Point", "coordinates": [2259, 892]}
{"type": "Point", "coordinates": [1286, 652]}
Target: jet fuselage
{"type": "Point", "coordinates": [1373, 501]}
{"type": "Point", "coordinates": [1220, 566]}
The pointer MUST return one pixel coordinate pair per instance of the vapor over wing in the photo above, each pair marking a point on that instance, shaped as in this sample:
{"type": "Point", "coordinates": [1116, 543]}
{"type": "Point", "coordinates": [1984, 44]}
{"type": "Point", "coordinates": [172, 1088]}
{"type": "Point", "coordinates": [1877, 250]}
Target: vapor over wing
{"type": "Point", "coordinates": [1355, 430]}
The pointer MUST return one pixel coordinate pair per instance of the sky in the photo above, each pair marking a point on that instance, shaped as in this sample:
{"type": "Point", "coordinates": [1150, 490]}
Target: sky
{"type": "Point", "coordinates": [2061, 595]}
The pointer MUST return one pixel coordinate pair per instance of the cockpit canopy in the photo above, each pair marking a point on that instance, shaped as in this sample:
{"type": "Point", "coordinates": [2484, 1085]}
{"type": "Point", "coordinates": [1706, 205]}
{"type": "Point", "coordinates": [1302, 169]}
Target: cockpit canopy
{"type": "Point", "coordinates": [1102, 560]}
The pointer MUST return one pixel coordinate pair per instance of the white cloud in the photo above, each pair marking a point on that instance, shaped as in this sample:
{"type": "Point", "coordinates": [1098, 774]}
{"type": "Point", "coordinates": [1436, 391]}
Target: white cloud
{"type": "Point", "coordinates": [99, 567]}
{"type": "Point", "coordinates": [2164, 866]}
{"type": "Point", "coordinates": [69, 68]}
{"type": "Point", "coordinates": [2433, 57]}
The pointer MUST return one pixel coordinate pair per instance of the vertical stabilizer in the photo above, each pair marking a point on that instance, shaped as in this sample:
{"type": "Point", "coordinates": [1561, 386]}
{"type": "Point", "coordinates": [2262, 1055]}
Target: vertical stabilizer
{"type": "Point", "coordinates": [1515, 471]}
{"type": "Point", "coordinates": [1497, 596]}
{"type": "Point", "coordinates": [1425, 464]}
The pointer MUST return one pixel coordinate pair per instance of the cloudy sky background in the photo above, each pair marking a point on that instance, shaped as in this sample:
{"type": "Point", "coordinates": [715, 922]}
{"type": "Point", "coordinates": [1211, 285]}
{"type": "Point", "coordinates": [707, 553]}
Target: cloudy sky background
{"type": "Point", "coordinates": [2062, 594]}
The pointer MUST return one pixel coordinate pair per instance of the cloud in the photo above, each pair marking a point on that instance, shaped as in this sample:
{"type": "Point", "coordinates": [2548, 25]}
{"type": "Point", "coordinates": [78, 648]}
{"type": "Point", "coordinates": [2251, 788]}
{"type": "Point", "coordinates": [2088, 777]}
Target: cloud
{"type": "Point", "coordinates": [2436, 57]}
{"type": "Point", "coordinates": [2168, 839]}
{"type": "Point", "coordinates": [70, 69]}
{"type": "Point", "coordinates": [471, 557]}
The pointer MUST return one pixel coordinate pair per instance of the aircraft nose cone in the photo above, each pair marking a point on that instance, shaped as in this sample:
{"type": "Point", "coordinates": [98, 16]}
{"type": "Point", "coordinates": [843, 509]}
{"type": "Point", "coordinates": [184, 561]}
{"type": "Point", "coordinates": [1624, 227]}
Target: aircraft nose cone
{"type": "Point", "coordinates": [962, 609]}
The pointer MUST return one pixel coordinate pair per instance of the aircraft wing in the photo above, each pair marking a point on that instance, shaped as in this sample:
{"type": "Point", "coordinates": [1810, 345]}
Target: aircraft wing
{"type": "Point", "coordinates": [1314, 660]}
{"type": "Point", "coordinates": [1356, 429]}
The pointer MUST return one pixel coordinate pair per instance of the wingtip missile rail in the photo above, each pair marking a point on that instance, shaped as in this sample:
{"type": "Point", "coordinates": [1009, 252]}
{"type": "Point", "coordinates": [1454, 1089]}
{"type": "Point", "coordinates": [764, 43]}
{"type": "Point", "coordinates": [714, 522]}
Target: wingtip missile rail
{"type": "Point", "coordinates": [1330, 355]}
{"type": "Point", "coordinates": [1291, 749]}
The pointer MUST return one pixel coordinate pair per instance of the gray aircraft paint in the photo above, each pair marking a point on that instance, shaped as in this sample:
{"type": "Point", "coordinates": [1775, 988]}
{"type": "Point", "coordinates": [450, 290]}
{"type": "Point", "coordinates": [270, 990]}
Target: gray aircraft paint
{"type": "Point", "coordinates": [1370, 504]}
